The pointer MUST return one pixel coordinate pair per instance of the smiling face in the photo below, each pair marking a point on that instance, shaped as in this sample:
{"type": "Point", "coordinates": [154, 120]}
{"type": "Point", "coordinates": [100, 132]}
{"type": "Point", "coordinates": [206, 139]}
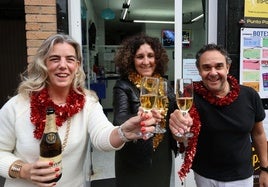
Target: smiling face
{"type": "Point", "coordinates": [144, 60]}
{"type": "Point", "coordinates": [214, 69]}
{"type": "Point", "coordinates": [62, 66]}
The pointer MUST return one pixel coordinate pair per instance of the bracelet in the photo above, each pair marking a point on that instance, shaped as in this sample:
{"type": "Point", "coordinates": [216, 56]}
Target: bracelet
{"type": "Point", "coordinates": [122, 135]}
{"type": "Point", "coordinates": [264, 168]}
{"type": "Point", "coordinates": [15, 168]}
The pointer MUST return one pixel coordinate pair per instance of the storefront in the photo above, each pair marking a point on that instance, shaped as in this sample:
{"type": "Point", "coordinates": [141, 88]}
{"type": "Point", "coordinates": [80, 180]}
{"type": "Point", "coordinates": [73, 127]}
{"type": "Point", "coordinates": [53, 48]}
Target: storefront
{"type": "Point", "coordinates": [221, 25]}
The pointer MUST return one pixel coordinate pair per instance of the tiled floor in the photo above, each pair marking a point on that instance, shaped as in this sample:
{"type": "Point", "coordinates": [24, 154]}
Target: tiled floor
{"type": "Point", "coordinates": [103, 165]}
{"type": "Point", "coordinates": [103, 162]}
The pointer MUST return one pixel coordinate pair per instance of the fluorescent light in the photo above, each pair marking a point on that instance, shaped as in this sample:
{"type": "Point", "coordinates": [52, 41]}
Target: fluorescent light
{"type": "Point", "coordinates": [125, 9]}
{"type": "Point", "coordinates": [128, 2]}
{"type": "Point", "coordinates": [197, 18]}
{"type": "Point", "coordinates": [124, 14]}
{"type": "Point", "coordinates": [153, 21]}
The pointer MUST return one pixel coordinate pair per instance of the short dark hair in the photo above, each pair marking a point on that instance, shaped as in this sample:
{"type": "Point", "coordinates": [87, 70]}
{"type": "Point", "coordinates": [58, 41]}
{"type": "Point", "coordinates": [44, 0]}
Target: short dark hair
{"type": "Point", "coordinates": [212, 47]}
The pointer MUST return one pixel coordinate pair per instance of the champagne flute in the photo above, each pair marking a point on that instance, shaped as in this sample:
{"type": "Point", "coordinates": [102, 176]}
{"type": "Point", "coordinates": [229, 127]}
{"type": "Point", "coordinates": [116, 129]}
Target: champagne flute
{"type": "Point", "coordinates": [162, 104]}
{"type": "Point", "coordinates": [184, 98]}
{"type": "Point", "coordinates": [148, 95]}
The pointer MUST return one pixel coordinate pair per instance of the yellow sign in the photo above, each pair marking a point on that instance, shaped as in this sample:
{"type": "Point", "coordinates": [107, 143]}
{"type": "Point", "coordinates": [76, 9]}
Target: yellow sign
{"type": "Point", "coordinates": [256, 8]}
{"type": "Point", "coordinates": [256, 13]}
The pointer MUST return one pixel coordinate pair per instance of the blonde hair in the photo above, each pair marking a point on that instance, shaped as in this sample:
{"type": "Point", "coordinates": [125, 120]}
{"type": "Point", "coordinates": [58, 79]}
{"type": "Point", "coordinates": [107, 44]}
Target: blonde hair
{"type": "Point", "coordinates": [35, 78]}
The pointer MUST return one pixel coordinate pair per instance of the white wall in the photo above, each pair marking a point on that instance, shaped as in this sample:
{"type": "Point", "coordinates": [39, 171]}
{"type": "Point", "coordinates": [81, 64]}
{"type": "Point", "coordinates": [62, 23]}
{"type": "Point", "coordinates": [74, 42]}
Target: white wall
{"type": "Point", "coordinates": [155, 31]}
{"type": "Point", "coordinates": [198, 38]}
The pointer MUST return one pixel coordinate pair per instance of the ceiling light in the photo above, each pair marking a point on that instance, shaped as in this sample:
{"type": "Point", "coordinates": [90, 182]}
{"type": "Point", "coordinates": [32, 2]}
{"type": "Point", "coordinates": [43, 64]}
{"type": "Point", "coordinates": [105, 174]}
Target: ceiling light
{"type": "Point", "coordinates": [125, 7]}
{"type": "Point", "coordinates": [107, 14]}
{"type": "Point", "coordinates": [197, 18]}
{"type": "Point", "coordinates": [153, 21]}
{"type": "Point", "coordinates": [124, 14]}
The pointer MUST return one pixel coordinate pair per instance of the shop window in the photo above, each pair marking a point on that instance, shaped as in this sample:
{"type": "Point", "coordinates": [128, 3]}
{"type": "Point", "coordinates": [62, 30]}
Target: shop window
{"type": "Point", "coordinates": [62, 16]}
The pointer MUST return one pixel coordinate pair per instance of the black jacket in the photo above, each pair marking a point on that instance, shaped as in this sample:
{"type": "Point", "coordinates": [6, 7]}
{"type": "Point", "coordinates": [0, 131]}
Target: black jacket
{"type": "Point", "coordinates": [139, 155]}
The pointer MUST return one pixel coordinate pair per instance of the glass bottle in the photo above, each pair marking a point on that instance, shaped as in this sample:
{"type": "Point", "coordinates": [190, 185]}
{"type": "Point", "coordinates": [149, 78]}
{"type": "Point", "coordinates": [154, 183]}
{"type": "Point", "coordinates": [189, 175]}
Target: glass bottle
{"type": "Point", "coordinates": [50, 145]}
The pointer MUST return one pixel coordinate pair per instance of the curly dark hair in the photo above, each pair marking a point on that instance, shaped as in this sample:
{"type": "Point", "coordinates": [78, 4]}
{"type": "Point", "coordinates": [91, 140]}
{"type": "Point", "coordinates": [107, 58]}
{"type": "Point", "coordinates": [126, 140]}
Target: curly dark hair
{"type": "Point", "coordinates": [124, 57]}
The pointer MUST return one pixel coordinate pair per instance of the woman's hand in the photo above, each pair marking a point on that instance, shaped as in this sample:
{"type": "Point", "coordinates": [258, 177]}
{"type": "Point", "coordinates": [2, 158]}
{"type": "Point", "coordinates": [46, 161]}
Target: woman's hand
{"type": "Point", "coordinates": [39, 172]}
{"type": "Point", "coordinates": [179, 123]}
{"type": "Point", "coordinates": [137, 127]}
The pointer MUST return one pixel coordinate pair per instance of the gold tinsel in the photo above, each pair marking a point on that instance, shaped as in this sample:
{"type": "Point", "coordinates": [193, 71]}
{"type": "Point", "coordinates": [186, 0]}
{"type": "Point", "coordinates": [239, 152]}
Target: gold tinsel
{"type": "Point", "coordinates": [135, 78]}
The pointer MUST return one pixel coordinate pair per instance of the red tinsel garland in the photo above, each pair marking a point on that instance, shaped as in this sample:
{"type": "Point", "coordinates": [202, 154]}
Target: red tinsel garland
{"type": "Point", "coordinates": [41, 100]}
{"type": "Point", "coordinates": [190, 150]}
{"type": "Point", "coordinates": [200, 89]}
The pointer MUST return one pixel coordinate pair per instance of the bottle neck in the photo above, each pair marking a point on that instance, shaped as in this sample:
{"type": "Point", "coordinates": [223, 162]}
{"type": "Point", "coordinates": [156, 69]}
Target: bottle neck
{"type": "Point", "coordinates": [50, 123]}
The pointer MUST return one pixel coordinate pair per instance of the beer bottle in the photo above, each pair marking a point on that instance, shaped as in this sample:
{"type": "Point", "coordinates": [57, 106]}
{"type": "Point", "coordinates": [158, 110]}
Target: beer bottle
{"type": "Point", "coordinates": [50, 145]}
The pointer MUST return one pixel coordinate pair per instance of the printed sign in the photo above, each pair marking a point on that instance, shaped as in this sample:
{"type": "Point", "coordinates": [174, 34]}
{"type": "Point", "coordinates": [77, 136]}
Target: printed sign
{"type": "Point", "coordinates": [254, 59]}
{"type": "Point", "coordinates": [256, 13]}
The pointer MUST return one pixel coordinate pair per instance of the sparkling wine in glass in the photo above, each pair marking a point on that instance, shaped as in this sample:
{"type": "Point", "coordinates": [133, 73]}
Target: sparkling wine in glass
{"type": "Point", "coordinates": [184, 98]}
{"type": "Point", "coordinates": [148, 94]}
{"type": "Point", "coordinates": [162, 104]}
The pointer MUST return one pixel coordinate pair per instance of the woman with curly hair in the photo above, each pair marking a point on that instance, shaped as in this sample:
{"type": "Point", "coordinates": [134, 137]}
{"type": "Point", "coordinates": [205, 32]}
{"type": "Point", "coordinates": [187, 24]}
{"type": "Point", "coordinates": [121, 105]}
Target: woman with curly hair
{"type": "Point", "coordinates": [143, 163]}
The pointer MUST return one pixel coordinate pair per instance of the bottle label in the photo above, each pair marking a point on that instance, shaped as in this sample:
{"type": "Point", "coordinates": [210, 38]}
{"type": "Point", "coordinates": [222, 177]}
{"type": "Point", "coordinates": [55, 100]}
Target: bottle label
{"type": "Point", "coordinates": [56, 161]}
{"type": "Point", "coordinates": [51, 138]}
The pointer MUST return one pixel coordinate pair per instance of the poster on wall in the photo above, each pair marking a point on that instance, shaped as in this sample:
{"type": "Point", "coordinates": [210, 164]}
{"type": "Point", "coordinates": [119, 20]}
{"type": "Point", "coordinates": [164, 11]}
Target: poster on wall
{"type": "Point", "coordinates": [186, 38]}
{"type": "Point", "coordinates": [190, 70]}
{"type": "Point", "coordinates": [254, 59]}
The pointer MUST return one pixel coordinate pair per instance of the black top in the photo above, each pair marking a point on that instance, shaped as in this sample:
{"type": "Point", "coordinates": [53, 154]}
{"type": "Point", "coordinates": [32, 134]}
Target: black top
{"type": "Point", "coordinates": [224, 143]}
{"type": "Point", "coordinates": [137, 164]}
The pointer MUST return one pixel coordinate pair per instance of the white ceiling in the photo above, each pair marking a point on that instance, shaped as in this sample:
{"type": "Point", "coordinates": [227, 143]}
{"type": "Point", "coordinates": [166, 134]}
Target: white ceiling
{"type": "Point", "coordinates": [145, 10]}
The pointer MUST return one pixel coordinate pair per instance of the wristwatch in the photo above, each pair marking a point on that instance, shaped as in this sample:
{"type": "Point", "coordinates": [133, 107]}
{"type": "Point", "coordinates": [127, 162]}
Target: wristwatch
{"type": "Point", "coordinates": [264, 168]}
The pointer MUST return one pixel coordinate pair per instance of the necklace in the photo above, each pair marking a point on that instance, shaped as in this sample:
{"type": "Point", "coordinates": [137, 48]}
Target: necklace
{"type": "Point", "coordinates": [135, 78]}
{"type": "Point", "coordinates": [41, 100]}
{"type": "Point", "coordinates": [200, 89]}
{"type": "Point", "coordinates": [66, 134]}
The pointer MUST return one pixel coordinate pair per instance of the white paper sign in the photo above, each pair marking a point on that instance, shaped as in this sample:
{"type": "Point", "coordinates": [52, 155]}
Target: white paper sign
{"type": "Point", "coordinates": [189, 70]}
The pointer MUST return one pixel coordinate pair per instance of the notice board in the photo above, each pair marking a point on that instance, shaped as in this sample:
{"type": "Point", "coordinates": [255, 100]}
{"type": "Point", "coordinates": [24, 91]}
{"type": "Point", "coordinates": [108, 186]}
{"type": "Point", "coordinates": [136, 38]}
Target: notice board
{"type": "Point", "coordinates": [254, 59]}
